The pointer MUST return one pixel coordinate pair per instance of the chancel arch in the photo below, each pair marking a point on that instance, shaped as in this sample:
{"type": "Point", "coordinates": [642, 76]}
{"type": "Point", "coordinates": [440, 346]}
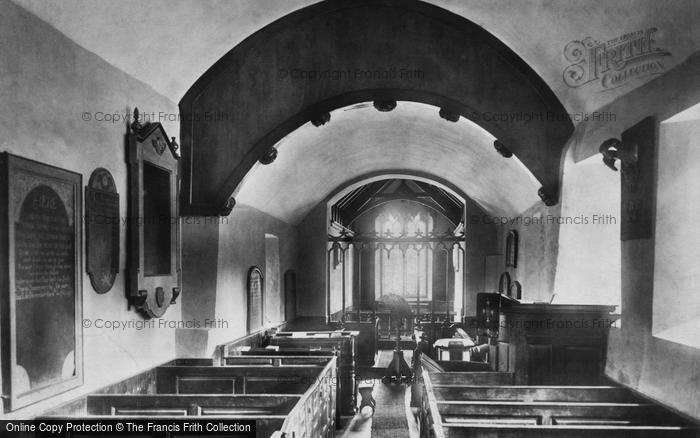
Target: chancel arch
{"type": "Point", "coordinates": [266, 93]}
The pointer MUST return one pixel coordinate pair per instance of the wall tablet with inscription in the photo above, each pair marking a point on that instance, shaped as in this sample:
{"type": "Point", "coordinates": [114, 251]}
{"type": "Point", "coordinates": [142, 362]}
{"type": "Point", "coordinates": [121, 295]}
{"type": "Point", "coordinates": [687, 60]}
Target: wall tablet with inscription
{"type": "Point", "coordinates": [102, 230]}
{"type": "Point", "coordinates": [154, 279]}
{"type": "Point", "coordinates": [40, 280]}
{"type": "Point", "coordinates": [255, 299]}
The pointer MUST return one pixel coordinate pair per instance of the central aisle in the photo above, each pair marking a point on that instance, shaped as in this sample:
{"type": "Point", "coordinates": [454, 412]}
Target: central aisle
{"type": "Point", "coordinates": [389, 419]}
{"type": "Point", "coordinates": [392, 416]}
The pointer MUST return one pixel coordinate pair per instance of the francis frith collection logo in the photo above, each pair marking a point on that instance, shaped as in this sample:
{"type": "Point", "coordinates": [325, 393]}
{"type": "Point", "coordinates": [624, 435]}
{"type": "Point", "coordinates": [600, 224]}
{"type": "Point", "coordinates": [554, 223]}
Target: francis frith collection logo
{"type": "Point", "coordinates": [615, 62]}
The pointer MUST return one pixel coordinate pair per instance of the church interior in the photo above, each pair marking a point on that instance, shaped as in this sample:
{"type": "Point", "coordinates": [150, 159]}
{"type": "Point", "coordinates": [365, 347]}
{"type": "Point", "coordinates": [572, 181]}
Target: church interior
{"type": "Point", "coordinates": [353, 218]}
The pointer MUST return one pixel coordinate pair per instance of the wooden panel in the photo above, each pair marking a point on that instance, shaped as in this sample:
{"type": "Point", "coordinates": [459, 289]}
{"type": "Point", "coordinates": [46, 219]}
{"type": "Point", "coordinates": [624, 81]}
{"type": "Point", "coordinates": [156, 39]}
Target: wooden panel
{"type": "Point", "coordinates": [343, 343]}
{"type": "Point", "coordinates": [542, 338]}
{"type": "Point", "coordinates": [490, 430]}
{"type": "Point", "coordinates": [503, 357]}
{"type": "Point", "coordinates": [450, 408]}
{"type": "Point", "coordinates": [582, 364]}
{"type": "Point", "coordinates": [612, 394]}
{"type": "Point", "coordinates": [477, 378]}
{"type": "Point", "coordinates": [315, 415]}
{"type": "Point", "coordinates": [539, 364]}
{"type": "Point", "coordinates": [235, 404]}
{"type": "Point", "coordinates": [169, 379]}
{"type": "Point", "coordinates": [545, 411]}
{"type": "Point", "coordinates": [205, 385]}
{"type": "Point", "coordinates": [276, 385]}
{"type": "Point", "coordinates": [272, 358]}
{"type": "Point", "coordinates": [457, 366]}
{"type": "Point", "coordinates": [366, 341]}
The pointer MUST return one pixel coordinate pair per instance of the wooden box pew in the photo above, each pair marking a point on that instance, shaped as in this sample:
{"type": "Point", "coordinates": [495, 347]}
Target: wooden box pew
{"type": "Point", "coordinates": [472, 378]}
{"type": "Point", "coordinates": [341, 343]}
{"type": "Point", "coordinates": [268, 358]}
{"type": "Point", "coordinates": [324, 403]}
{"type": "Point", "coordinates": [550, 412]}
{"type": "Point", "coordinates": [299, 356]}
{"type": "Point", "coordinates": [368, 338]}
{"type": "Point", "coordinates": [448, 409]}
{"type": "Point", "coordinates": [236, 379]}
{"type": "Point", "coordinates": [309, 413]}
{"type": "Point", "coordinates": [450, 366]}
{"type": "Point", "coordinates": [269, 411]}
{"type": "Point", "coordinates": [600, 394]}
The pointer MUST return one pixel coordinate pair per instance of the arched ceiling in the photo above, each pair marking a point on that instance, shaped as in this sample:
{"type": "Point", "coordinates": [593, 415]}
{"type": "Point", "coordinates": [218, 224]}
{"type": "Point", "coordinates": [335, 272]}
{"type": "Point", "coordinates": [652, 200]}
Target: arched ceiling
{"type": "Point", "coordinates": [168, 44]}
{"type": "Point", "coordinates": [313, 162]}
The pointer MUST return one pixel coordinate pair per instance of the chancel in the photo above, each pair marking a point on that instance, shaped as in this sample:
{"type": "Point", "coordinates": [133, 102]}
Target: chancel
{"type": "Point", "coordinates": [351, 218]}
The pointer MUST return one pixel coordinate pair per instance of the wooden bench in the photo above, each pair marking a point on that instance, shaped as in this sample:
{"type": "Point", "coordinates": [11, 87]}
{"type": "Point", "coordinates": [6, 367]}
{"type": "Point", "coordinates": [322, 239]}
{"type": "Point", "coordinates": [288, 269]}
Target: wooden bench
{"type": "Point", "coordinates": [461, 405]}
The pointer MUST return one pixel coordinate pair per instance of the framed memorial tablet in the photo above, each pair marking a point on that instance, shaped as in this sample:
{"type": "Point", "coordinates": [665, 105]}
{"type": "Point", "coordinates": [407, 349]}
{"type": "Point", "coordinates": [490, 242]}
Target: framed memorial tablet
{"type": "Point", "coordinates": [153, 219]}
{"type": "Point", "coordinates": [40, 279]}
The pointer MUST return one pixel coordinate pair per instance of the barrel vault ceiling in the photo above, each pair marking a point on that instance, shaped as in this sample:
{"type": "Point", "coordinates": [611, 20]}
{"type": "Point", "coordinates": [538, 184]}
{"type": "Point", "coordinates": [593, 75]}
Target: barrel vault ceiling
{"type": "Point", "coordinates": [168, 44]}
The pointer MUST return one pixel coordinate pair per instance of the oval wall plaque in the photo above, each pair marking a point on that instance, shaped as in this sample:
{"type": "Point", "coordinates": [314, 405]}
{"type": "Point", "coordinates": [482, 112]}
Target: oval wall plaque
{"type": "Point", "coordinates": [102, 230]}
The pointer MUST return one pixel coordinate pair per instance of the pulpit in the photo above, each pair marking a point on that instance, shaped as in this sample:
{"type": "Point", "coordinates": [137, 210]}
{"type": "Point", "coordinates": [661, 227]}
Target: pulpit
{"type": "Point", "coordinates": [554, 344]}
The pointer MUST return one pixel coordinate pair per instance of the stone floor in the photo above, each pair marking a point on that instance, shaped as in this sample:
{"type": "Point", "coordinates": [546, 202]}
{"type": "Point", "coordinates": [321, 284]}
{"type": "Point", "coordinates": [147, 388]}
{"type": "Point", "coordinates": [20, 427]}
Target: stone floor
{"type": "Point", "coordinates": [392, 416]}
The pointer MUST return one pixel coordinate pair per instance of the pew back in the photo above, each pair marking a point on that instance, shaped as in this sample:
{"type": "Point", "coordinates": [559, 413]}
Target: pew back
{"type": "Point", "coordinates": [310, 412]}
{"type": "Point", "coordinates": [452, 408]}
{"type": "Point", "coordinates": [235, 379]}
{"type": "Point", "coordinates": [341, 343]}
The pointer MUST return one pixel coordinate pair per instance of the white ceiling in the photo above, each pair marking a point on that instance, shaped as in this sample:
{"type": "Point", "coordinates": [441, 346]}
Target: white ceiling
{"type": "Point", "coordinates": [168, 44]}
{"type": "Point", "coordinates": [314, 161]}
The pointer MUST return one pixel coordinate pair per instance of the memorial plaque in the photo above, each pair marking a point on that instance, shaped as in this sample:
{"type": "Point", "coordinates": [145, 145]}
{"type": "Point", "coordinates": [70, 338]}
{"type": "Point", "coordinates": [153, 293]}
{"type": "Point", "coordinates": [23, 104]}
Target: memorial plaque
{"type": "Point", "coordinates": [102, 230]}
{"type": "Point", "coordinates": [41, 280]}
{"type": "Point", "coordinates": [255, 299]}
{"type": "Point", "coordinates": [153, 227]}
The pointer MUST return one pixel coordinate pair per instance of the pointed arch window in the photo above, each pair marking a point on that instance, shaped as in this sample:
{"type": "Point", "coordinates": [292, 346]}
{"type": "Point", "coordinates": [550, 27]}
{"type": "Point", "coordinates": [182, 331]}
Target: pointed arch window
{"type": "Point", "coordinates": [403, 266]}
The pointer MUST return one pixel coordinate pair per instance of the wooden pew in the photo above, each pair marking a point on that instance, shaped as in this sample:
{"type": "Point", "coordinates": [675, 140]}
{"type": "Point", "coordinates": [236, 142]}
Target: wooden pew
{"type": "Point", "coordinates": [269, 374]}
{"type": "Point", "coordinates": [296, 355]}
{"type": "Point", "coordinates": [450, 408]}
{"type": "Point", "coordinates": [367, 341]}
{"type": "Point", "coordinates": [475, 378]}
{"type": "Point", "coordinates": [241, 391]}
{"type": "Point", "coordinates": [341, 343]}
{"type": "Point", "coordinates": [451, 365]}
{"type": "Point", "coordinates": [236, 379]}
{"type": "Point", "coordinates": [269, 358]}
{"type": "Point", "coordinates": [611, 394]}
{"type": "Point", "coordinates": [269, 411]}
{"type": "Point", "coordinates": [548, 412]}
